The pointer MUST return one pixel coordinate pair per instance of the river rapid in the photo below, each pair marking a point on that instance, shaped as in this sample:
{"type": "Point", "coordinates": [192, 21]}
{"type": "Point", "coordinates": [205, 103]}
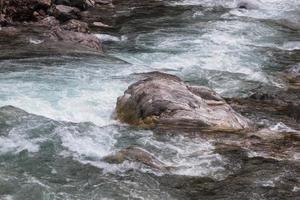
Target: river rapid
{"type": "Point", "coordinates": [56, 115]}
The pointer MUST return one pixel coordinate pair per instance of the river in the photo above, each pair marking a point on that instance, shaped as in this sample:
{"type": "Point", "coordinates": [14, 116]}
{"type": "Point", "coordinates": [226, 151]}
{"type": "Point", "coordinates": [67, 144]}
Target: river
{"type": "Point", "coordinates": [61, 125]}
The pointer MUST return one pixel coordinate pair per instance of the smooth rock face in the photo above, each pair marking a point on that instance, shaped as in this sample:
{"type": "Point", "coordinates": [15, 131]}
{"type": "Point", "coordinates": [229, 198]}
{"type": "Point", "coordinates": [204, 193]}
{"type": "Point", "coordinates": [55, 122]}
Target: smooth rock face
{"type": "Point", "coordinates": [164, 101]}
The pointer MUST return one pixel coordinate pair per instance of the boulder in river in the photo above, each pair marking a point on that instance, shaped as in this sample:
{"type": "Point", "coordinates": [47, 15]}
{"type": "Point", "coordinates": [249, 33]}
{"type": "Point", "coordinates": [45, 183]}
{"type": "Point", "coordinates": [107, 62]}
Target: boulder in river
{"type": "Point", "coordinates": [164, 101]}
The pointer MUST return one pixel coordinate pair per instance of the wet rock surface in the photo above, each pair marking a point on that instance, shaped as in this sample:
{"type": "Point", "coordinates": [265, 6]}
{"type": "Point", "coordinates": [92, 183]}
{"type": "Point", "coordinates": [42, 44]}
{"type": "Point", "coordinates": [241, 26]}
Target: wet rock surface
{"type": "Point", "coordinates": [76, 38]}
{"type": "Point", "coordinates": [267, 181]}
{"type": "Point", "coordinates": [76, 25]}
{"type": "Point", "coordinates": [64, 13]}
{"type": "Point", "coordinates": [165, 102]}
{"type": "Point", "coordinates": [52, 18]}
{"type": "Point", "coordinates": [135, 154]}
{"type": "Point", "coordinates": [281, 104]}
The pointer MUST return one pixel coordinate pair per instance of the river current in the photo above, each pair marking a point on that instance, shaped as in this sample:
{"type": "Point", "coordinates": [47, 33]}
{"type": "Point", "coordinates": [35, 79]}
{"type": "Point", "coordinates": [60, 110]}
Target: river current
{"type": "Point", "coordinates": [56, 115]}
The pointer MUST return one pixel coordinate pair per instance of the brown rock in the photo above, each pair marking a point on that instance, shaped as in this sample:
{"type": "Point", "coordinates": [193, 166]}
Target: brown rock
{"type": "Point", "coordinates": [64, 13]}
{"type": "Point", "coordinates": [8, 31]}
{"type": "Point", "coordinates": [136, 154]}
{"type": "Point", "coordinates": [48, 22]}
{"type": "Point", "coordinates": [24, 10]}
{"type": "Point", "coordinates": [45, 3]}
{"type": "Point", "coordinates": [82, 4]}
{"type": "Point", "coordinates": [76, 25]}
{"type": "Point", "coordinates": [164, 101]}
{"type": "Point", "coordinates": [103, 1]}
{"type": "Point", "coordinates": [292, 74]}
{"type": "Point", "coordinates": [76, 38]}
{"type": "Point", "coordinates": [3, 20]}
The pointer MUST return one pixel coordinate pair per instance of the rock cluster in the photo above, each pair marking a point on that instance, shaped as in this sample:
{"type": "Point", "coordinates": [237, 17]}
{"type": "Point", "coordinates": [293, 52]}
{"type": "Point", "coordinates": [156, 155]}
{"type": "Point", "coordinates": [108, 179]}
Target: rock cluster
{"type": "Point", "coordinates": [63, 20]}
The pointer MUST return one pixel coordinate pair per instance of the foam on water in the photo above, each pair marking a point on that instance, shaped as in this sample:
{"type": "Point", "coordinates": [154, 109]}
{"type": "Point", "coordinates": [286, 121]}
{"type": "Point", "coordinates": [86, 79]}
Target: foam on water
{"type": "Point", "coordinates": [281, 127]}
{"type": "Point", "coordinates": [67, 92]}
{"type": "Point", "coordinates": [17, 143]}
{"type": "Point", "coordinates": [221, 47]}
{"type": "Point", "coordinates": [105, 37]}
{"type": "Point", "coordinates": [186, 156]}
{"type": "Point", "coordinates": [93, 143]}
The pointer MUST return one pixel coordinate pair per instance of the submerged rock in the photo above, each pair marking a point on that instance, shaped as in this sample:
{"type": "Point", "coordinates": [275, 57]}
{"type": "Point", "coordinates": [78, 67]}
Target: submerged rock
{"type": "Point", "coordinates": [248, 4]}
{"type": "Point", "coordinates": [272, 103]}
{"type": "Point", "coordinates": [293, 24]}
{"type": "Point", "coordinates": [164, 101]}
{"type": "Point", "coordinates": [292, 74]}
{"type": "Point", "coordinates": [136, 154]}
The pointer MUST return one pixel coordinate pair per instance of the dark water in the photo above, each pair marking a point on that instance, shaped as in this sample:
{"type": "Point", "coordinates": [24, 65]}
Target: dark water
{"type": "Point", "coordinates": [56, 151]}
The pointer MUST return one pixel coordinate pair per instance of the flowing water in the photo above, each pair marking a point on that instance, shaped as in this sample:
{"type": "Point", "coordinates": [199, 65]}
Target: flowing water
{"type": "Point", "coordinates": [61, 125]}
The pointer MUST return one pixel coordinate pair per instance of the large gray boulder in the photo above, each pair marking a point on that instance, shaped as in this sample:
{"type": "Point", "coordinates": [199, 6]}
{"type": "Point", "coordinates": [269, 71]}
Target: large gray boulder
{"type": "Point", "coordinates": [164, 101]}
